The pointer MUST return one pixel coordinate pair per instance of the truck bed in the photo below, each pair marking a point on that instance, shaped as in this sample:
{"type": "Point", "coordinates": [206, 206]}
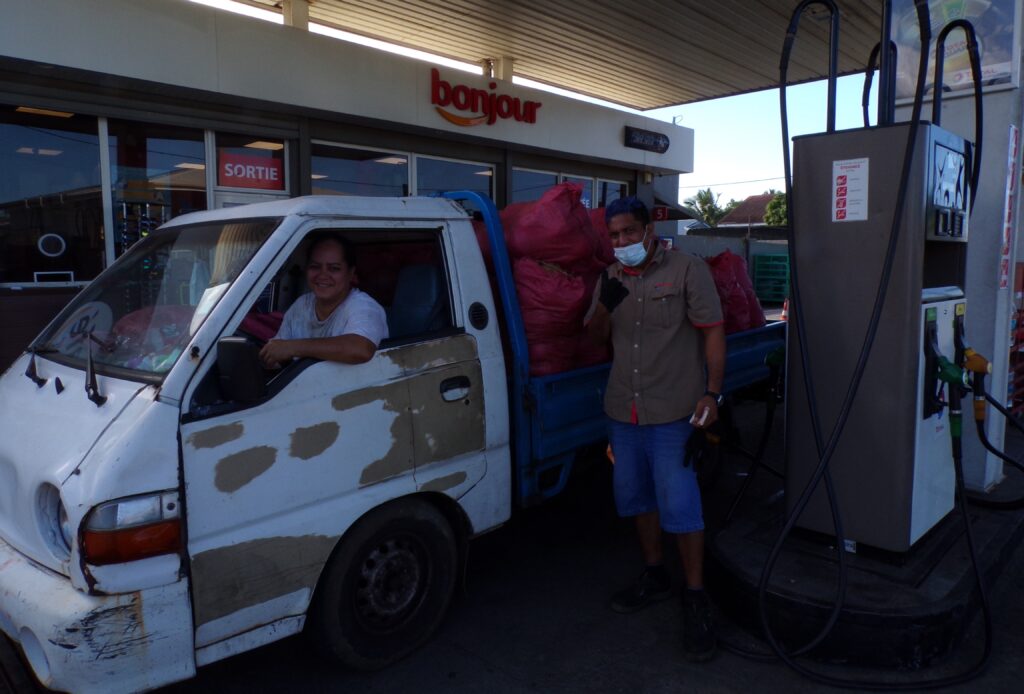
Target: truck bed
{"type": "Point", "coordinates": [555, 416]}
{"type": "Point", "coordinates": [566, 411]}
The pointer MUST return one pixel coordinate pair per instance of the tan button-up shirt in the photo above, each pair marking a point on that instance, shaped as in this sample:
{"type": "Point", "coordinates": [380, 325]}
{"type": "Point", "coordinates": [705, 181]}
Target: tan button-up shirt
{"type": "Point", "coordinates": [657, 373]}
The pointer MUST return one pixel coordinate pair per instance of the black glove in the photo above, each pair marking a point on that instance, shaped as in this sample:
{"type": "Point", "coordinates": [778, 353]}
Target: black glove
{"type": "Point", "coordinates": [695, 448]}
{"type": "Point", "coordinates": [612, 292]}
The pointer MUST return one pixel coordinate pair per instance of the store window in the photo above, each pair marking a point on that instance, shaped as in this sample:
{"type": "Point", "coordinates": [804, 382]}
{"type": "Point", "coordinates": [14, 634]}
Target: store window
{"type": "Point", "coordinates": [51, 205]}
{"type": "Point", "coordinates": [439, 175]}
{"type": "Point", "coordinates": [529, 185]}
{"type": "Point", "coordinates": [250, 163]}
{"type": "Point", "coordinates": [610, 190]}
{"type": "Point", "coordinates": [587, 184]}
{"type": "Point", "coordinates": [338, 170]}
{"type": "Point", "coordinates": [157, 172]}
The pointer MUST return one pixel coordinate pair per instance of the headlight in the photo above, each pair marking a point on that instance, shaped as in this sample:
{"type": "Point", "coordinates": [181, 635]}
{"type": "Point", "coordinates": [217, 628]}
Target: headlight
{"type": "Point", "coordinates": [132, 528]}
{"type": "Point", "coordinates": [67, 533]}
{"type": "Point", "coordinates": [52, 519]}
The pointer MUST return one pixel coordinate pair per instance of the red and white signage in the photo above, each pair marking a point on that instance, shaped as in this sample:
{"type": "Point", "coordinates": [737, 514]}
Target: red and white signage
{"type": "Point", "coordinates": [659, 213]}
{"type": "Point", "coordinates": [1009, 204]}
{"type": "Point", "coordinates": [248, 171]}
{"type": "Point", "coordinates": [850, 190]}
{"type": "Point", "coordinates": [482, 106]}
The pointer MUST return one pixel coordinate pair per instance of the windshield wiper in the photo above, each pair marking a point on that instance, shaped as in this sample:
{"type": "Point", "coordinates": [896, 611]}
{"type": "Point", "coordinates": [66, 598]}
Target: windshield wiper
{"type": "Point", "coordinates": [31, 371]}
{"type": "Point", "coordinates": [92, 389]}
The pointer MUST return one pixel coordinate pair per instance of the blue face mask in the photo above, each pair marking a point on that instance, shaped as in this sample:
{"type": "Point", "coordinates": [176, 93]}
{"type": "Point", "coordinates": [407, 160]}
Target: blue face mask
{"type": "Point", "coordinates": [633, 254]}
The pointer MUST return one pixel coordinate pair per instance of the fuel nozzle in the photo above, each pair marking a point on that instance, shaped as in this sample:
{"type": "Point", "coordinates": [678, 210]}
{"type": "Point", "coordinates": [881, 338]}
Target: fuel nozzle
{"type": "Point", "coordinates": [979, 367]}
{"type": "Point", "coordinates": [975, 363]}
{"type": "Point", "coordinates": [956, 378]}
{"type": "Point", "coordinates": [952, 374]}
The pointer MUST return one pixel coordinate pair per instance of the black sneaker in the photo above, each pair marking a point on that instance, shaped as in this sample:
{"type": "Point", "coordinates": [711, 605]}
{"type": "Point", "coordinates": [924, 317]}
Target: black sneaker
{"type": "Point", "coordinates": [653, 586]}
{"type": "Point", "coordinates": [698, 631]}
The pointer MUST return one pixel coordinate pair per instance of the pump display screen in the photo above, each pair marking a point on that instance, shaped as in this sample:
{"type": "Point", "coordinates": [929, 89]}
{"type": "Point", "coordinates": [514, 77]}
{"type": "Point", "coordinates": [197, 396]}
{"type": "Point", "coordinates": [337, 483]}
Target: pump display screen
{"type": "Point", "coordinates": [950, 178]}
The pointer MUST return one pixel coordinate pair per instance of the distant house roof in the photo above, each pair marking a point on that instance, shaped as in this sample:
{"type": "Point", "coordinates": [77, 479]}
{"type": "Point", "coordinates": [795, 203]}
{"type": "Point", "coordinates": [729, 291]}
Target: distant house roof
{"type": "Point", "coordinates": [692, 224]}
{"type": "Point", "coordinates": [749, 212]}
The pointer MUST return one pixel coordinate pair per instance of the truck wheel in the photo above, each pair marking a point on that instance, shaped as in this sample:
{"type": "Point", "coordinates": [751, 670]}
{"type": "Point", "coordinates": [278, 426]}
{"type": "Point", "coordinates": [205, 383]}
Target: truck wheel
{"type": "Point", "coordinates": [386, 587]}
{"type": "Point", "coordinates": [15, 675]}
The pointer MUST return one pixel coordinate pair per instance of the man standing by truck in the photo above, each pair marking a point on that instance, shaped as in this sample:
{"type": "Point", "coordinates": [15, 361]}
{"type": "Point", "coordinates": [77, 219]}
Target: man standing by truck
{"type": "Point", "coordinates": [662, 313]}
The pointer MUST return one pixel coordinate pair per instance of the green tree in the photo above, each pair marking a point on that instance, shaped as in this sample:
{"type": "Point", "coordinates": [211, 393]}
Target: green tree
{"type": "Point", "coordinates": [706, 204]}
{"type": "Point", "coordinates": [775, 212]}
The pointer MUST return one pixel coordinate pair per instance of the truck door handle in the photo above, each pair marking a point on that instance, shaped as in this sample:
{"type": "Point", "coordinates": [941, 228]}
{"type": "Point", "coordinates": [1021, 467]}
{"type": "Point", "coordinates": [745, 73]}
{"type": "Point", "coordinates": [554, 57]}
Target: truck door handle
{"type": "Point", "coordinates": [455, 388]}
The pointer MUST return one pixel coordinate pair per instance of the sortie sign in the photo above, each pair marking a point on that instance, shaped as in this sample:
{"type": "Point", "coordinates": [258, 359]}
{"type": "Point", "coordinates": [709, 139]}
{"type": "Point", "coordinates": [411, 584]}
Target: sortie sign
{"type": "Point", "coordinates": [247, 171]}
{"type": "Point", "coordinates": [485, 106]}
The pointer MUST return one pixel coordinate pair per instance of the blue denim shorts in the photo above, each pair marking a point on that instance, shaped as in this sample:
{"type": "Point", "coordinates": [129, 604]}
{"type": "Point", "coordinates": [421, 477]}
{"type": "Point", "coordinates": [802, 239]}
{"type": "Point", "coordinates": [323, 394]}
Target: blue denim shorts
{"type": "Point", "coordinates": [649, 474]}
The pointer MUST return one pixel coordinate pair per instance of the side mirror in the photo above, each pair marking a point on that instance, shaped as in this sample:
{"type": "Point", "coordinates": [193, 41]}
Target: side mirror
{"type": "Point", "coordinates": [241, 373]}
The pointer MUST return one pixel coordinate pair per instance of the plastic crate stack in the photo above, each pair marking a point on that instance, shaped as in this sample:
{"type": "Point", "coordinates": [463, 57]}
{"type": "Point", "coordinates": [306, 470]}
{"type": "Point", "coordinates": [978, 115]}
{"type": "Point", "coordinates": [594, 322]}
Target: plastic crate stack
{"type": "Point", "coordinates": [771, 277]}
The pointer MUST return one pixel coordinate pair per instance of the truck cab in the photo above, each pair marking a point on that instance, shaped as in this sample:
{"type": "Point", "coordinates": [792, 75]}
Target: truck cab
{"type": "Point", "coordinates": [166, 502]}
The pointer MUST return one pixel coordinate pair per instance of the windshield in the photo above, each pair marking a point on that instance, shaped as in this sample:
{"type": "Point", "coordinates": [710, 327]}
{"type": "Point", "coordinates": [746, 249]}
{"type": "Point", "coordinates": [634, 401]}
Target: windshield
{"type": "Point", "coordinates": [141, 314]}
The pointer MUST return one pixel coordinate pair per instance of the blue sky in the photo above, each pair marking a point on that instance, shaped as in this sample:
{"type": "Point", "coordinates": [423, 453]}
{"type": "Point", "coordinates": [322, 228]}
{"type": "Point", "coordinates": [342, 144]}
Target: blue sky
{"type": "Point", "coordinates": [738, 140]}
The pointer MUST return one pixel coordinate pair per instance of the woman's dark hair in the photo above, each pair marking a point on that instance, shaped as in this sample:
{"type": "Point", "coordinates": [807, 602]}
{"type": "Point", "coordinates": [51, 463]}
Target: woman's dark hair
{"type": "Point", "coordinates": [631, 205]}
{"type": "Point", "coordinates": [348, 249]}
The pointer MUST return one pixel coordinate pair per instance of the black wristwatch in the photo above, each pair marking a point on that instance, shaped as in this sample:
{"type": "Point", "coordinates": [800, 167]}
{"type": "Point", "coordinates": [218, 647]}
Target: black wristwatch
{"type": "Point", "coordinates": [719, 398]}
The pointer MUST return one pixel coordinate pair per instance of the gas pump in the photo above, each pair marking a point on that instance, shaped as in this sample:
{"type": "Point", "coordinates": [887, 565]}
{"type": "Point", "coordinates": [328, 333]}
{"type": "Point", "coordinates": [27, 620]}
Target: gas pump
{"type": "Point", "coordinates": [878, 240]}
{"type": "Point", "coordinates": [892, 467]}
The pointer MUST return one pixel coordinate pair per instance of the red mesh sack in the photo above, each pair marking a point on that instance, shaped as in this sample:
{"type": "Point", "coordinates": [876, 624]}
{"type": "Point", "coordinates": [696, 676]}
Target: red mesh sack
{"type": "Point", "coordinates": [555, 229]}
{"type": "Point", "coordinates": [735, 306]}
{"type": "Point", "coordinates": [588, 353]}
{"type": "Point", "coordinates": [262, 326]}
{"type": "Point", "coordinates": [480, 229]}
{"type": "Point", "coordinates": [510, 215]}
{"type": "Point", "coordinates": [605, 252]}
{"type": "Point", "coordinates": [552, 303]}
{"type": "Point", "coordinates": [552, 355]}
{"type": "Point", "coordinates": [755, 314]}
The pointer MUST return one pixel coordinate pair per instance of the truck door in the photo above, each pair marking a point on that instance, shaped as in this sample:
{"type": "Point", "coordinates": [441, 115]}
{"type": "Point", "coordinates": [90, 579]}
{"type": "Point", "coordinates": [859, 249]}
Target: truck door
{"type": "Point", "coordinates": [271, 487]}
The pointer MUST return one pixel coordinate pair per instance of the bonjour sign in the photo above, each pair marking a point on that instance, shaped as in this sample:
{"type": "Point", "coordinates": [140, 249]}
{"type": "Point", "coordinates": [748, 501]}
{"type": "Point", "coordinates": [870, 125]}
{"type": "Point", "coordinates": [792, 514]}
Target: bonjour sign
{"type": "Point", "coordinates": [483, 105]}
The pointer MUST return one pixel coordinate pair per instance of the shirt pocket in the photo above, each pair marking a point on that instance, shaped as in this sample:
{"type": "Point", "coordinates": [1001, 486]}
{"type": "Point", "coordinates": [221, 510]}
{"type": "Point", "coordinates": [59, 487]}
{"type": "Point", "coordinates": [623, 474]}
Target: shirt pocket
{"type": "Point", "coordinates": [668, 306]}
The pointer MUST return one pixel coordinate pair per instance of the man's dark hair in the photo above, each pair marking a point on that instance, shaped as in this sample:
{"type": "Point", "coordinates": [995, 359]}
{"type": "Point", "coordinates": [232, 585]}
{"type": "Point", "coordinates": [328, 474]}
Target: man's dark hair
{"type": "Point", "coordinates": [348, 249]}
{"type": "Point", "coordinates": [631, 205]}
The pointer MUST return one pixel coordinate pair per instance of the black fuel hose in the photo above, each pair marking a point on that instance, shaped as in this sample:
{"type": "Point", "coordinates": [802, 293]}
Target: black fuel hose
{"type": "Point", "coordinates": [805, 357]}
{"type": "Point", "coordinates": [1005, 412]}
{"type": "Point", "coordinates": [826, 450]}
{"type": "Point", "coordinates": [1001, 505]}
{"type": "Point", "coordinates": [995, 451]}
{"type": "Point", "coordinates": [974, 55]}
{"type": "Point", "coordinates": [821, 472]}
{"type": "Point", "coordinates": [757, 458]}
{"type": "Point", "coordinates": [872, 65]}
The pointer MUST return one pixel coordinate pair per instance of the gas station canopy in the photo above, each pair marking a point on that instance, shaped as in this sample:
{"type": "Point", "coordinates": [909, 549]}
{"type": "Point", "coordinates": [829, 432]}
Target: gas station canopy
{"type": "Point", "coordinates": [639, 53]}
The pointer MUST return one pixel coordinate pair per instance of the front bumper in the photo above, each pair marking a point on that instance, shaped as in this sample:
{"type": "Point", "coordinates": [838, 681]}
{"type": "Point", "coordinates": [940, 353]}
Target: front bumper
{"type": "Point", "coordinates": [95, 643]}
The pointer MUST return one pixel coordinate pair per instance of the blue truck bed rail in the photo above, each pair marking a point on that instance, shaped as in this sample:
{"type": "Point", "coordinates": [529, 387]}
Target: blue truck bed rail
{"type": "Point", "coordinates": [555, 416]}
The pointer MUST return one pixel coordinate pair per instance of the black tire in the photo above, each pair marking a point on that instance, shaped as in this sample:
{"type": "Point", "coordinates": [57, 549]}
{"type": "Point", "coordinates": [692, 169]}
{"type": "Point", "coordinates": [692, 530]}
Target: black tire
{"type": "Point", "coordinates": [386, 587]}
{"type": "Point", "coordinates": [15, 675]}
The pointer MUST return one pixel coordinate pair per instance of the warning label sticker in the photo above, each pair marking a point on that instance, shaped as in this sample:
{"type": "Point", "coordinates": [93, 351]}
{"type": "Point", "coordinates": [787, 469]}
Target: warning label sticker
{"type": "Point", "coordinates": [850, 190]}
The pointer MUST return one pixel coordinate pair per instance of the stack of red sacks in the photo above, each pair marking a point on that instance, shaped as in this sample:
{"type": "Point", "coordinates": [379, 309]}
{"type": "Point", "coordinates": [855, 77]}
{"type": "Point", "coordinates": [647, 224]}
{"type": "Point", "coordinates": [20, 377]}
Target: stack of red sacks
{"type": "Point", "coordinates": [740, 306]}
{"type": "Point", "coordinates": [557, 256]}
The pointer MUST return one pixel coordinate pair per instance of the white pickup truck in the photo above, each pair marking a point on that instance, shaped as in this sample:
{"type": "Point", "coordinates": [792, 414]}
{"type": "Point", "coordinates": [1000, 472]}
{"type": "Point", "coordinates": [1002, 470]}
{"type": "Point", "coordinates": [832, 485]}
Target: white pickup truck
{"type": "Point", "coordinates": [165, 502]}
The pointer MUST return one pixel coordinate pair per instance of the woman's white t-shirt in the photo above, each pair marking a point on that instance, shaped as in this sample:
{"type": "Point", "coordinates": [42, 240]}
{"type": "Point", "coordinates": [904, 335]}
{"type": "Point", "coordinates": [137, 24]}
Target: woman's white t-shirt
{"type": "Point", "coordinates": [358, 314]}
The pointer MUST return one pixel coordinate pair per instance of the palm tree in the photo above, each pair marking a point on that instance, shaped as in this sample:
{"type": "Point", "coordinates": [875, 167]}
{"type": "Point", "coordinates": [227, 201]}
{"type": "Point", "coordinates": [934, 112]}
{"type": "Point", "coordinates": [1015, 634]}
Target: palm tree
{"type": "Point", "coordinates": [706, 204]}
